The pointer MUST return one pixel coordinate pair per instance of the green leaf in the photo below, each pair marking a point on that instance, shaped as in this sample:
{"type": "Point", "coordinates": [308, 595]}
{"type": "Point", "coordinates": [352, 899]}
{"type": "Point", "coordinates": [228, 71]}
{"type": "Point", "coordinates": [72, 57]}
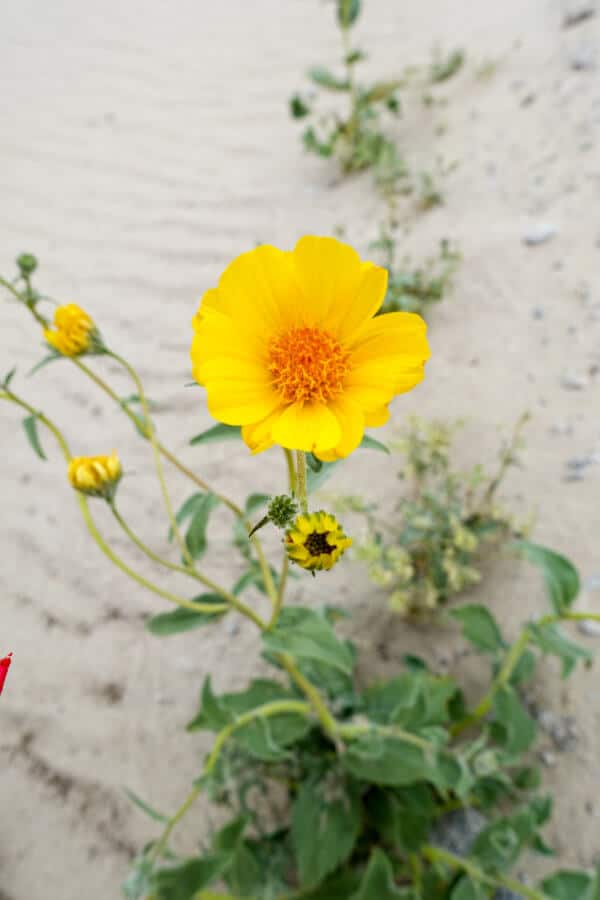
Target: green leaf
{"type": "Point", "coordinates": [318, 477]}
{"type": "Point", "coordinates": [568, 885]}
{"type": "Point", "coordinates": [479, 627]}
{"type": "Point", "coordinates": [145, 807]}
{"type": "Point", "coordinates": [387, 760]}
{"type": "Point", "coordinates": [524, 669]}
{"type": "Point", "coordinates": [513, 727]}
{"type": "Point", "coordinates": [254, 502]}
{"type": "Point", "coordinates": [348, 12]}
{"type": "Point", "coordinates": [378, 881]}
{"type": "Point", "coordinates": [298, 107]}
{"type": "Point", "coordinates": [414, 700]}
{"type": "Point", "coordinates": [184, 881]}
{"type": "Point", "coordinates": [338, 887]}
{"type": "Point", "coordinates": [467, 889]}
{"type": "Point", "coordinates": [369, 443]}
{"type": "Point", "coordinates": [550, 639]}
{"type": "Point", "coordinates": [403, 816]}
{"type": "Point", "coordinates": [561, 576]}
{"type": "Point", "coordinates": [381, 91]}
{"type": "Point", "coordinates": [307, 635]}
{"type": "Point", "coordinates": [30, 426]}
{"type": "Point", "coordinates": [499, 845]}
{"type": "Point", "coordinates": [9, 377]}
{"type": "Point", "coordinates": [51, 357]}
{"type": "Point", "coordinates": [216, 434]}
{"type": "Point", "coordinates": [181, 619]}
{"type": "Point", "coordinates": [265, 739]}
{"type": "Point", "coordinates": [196, 511]}
{"type": "Point", "coordinates": [324, 830]}
{"type": "Point", "coordinates": [326, 79]}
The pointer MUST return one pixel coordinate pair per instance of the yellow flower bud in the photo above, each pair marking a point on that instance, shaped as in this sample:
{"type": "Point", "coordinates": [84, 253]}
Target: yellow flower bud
{"type": "Point", "coordinates": [316, 541]}
{"type": "Point", "coordinates": [74, 331]}
{"type": "Point", "coordinates": [96, 476]}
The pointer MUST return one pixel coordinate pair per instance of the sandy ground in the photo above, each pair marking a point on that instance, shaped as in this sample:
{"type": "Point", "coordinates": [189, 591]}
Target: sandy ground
{"type": "Point", "coordinates": [143, 144]}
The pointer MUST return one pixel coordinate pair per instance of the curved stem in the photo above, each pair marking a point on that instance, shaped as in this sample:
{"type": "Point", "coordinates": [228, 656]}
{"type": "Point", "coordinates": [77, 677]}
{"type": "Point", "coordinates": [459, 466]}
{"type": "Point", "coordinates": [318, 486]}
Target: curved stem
{"type": "Point", "coordinates": [324, 715]}
{"type": "Point", "coordinates": [275, 708]}
{"type": "Point", "coordinates": [91, 526]}
{"type": "Point", "coordinates": [147, 550]}
{"type": "Point", "coordinates": [149, 428]}
{"type": "Point", "coordinates": [436, 854]}
{"type": "Point", "coordinates": [281, 592]}
{"type": "Point", "coordinates": [301, 480]}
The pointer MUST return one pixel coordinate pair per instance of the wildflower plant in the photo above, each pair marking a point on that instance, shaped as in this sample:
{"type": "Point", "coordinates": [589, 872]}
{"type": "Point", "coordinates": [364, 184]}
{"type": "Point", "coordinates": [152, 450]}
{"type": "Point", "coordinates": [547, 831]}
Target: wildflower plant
{"type": "Point", "coordinates": [432, 547]}
{"type": "Point", "coordinates": [364, 776]}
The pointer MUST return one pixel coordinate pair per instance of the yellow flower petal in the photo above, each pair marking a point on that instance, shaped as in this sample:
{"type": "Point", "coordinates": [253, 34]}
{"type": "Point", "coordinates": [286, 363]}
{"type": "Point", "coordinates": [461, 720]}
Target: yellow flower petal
{"type": "Point", "coordinates": [352, 424]}
{"type": "Point", "coordinates": [345, 322]}
{"type": "Point", "coordinates": [307, 428]}
{"type": "Point", "coordinates": [329, 275]}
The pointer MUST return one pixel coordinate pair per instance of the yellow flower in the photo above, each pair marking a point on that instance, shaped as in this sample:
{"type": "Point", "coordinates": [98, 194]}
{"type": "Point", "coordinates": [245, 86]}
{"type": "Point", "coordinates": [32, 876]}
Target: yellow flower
{"type": "Point", "coordinates": [74, 331]}
{"type": "Point", "coordinates": [316, 541]}
{"type": "Point", "coordinates": [287, 346]}
{"type": "Point", "coordinates": [96, 476]}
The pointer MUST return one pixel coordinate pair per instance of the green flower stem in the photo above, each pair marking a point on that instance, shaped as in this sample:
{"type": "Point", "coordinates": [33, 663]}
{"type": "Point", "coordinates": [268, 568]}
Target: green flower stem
{"type": "Point", "coordinates": [280, 593]}
{"type": "Point", "coordinates": [348, 732]}
{"type": "Point", "coordinates": [510, 662]}
{"type": "Point", "coordinates": [27, 301]}
{"type": "Point", "coordinates": [289, 458]}
{"type": "Point", "coordinates": [203, 485]}
{"type": "Point", "coordinates": [91, 526]}
{"type": "Point", "coordinates": [436, 854]}
{"type": "Point", "coordinates": [275, 708]}
{"type": "Point", "coordinates": [330, 726]}
{"type": "Point", "coordinates": [151, 434]}
{"type": "Point", "coordinates": [301, 491]}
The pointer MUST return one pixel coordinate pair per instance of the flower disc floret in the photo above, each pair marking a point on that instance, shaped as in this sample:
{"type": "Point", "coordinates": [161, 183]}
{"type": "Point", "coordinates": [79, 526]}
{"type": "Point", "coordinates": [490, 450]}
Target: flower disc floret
{"type": "Point", "coordinates": [74, 331]}
{"type": "Point", "coordinates": [316, 541]}
{"type": "Point", "coordinates": [96, 476]}
{"type": "Point", "coordinates": [288, 345]}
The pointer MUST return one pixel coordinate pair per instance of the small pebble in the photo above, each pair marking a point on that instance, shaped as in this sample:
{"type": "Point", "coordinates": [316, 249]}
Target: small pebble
{"type": "Point", "coordinates": [539, 234]}
{"type": "Point", "coordinates": [538, 312]}
{"type": "Point", "coordinates": [570, 381]}
{"type": "Point", "coordinates": [547, 759]}
{"type": "Point", "coordinates": [456, 831]}
{"type": "Point", "coordinates": [589, 627]}
{"type": "Point", "coordinates": [505, 894]}
{"type": "Point", "coordinates": [584, 59]}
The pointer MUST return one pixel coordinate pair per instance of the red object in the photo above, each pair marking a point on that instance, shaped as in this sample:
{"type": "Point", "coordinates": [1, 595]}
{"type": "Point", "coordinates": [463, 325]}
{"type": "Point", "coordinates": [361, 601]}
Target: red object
{"type": "Point", "coordinates": [4, 667]}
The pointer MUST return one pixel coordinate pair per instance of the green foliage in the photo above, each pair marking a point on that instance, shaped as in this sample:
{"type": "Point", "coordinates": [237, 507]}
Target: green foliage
{"type": "Point", "coordinates": [31, 432]}
{"type": "Point", "coordinates": [216, 434]}
{"type": "Point", "coordinates": [307, 635]}
{"type": "Point", "coordinates": [415, 289]}
{"type": "Point", "coordinates": [196, 513]}
{"type": "Point", "coordinates": [479, 627]}
{"type": "Point", "coordinates": [561, 576]}
{"type": "Point", "coordinates": [182, 619]}
{"type": "Point", "coordinates": [443, 68]}
{"type": "Point", "coordinates": [445, 520]}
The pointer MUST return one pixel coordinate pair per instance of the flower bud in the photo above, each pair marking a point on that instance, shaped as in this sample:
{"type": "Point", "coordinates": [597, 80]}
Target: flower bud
{"type": "Point", "coordinates": [74, 332]}
{"type": "Point", "coordinates": [27, 264]}
{"type": "Point", "coordinates": [282, 510]}
{"type": "Point", "coordinates": [96, 476]}
{"type": "Point", "coordinates": [316, 541]}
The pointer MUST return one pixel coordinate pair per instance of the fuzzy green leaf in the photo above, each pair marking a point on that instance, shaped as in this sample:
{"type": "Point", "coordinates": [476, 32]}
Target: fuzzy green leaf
{"type": "Point", "coordinates": [369, 443]}
{"type": "Point", "coordinates": [513, 726]}
{"type": "Point", "coordinates": [403, 816]}
{"type": "Point", "coordinates": [561, 576]}
{"type": "Point", "coordinates": [181, 619]}
{"type": "Point", "coordinates": [499, 845]}
{"type": "Point", "coordinates": [393, 761]}
{"type": "Point", "coordinates": [30, 427]}
{"type": "Point", "coordinates": [569, 885]}
{"type": "Point", "coordinates": [184, 881]}
{"type": "Point", "coordinates": [479, 627]}
{"type": "Point", "coordinates": [324, 830]}
{"type": "Point", "coordinates": [550, 639]}
{"type": "Point", "coordinates": [467, 889]}
{"type": "Point", "coordinates": [196, 511]}
{"type": "Point", "coordinates": [216, 434]}
{"type": "Point", "coordinates": [307, 635]}
{"type": "Point", "coordinates": [326, 79]}
{"type": "Point", "coordinates": [378, 881]}
{"type": "Point", "coordinates": [348, 12]}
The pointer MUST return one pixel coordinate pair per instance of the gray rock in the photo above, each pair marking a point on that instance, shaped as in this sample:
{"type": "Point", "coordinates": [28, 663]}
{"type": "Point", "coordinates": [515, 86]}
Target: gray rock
{"type": "Point", "coordinates": [505, 894]}
{"type": "Point", "coordinates": [540, 234]}
{"type": "Point", "coordinates": [538, 312]}
{"type": "Point", "coordinates": [562, 729]}
{"type": "Point", "coordinates": [589, 627]}
{"type": "Point", "coordinates": [457, 830]}
{"type": "Point", "coordinates": [578, 11]}
{"type": "Point", "coordinates": [547, 758]}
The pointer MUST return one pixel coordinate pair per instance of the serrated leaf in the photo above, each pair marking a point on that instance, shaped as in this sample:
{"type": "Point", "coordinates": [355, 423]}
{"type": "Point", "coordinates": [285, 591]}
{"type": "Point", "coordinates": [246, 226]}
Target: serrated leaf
{"type": "Point", "coordinates": [403, 816]}
{"type": "Point", "coordinates": [414, 700]}
{"type": "Point", "coordinates": [216, 434]}
{"type": "Point", "coordinates": [369, 443]}
{"type": "Point", "coordinates": [499, 845]}
{"type": "Point", "coordinates": [550, 639]}
{"type": "Point", "coordinates": [305, 634]}
{"type": "Point", "coordinates": [387, 760]}
{"type": "Point", "coordinates": [30, 427]}
{"type": "Point", "coordinates": [145, 807]}
{"type": "Point", "coordinates": [324, 830]}
{"type": "Point", "coordinates": [181, 619]}
{"type": "Point", "coordinates": [561, 576]}
{"type": "Point", "coordinates": [378, 881]}
{"type": "Point", "coordinates": [186, 880]}
{"type": "Point", "coordinates": [568, 885]}
{"type": "Point", "coordinates": [479, 627]}
{"type": "Point", "coordinates": [326, 79]}
{"type": "Point", "coordinates": [513, 727]}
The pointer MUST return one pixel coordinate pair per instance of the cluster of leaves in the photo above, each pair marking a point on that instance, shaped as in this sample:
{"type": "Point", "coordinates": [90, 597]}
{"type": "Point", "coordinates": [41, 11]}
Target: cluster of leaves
{"type": "Point", "coordinates": [360, 815]}
{"type": "Point", "coordinates": [416, 289]}
{"type": "Point", "coordinates": [446, 518]}
{"type": "Point", "coordinates": [355, 137]}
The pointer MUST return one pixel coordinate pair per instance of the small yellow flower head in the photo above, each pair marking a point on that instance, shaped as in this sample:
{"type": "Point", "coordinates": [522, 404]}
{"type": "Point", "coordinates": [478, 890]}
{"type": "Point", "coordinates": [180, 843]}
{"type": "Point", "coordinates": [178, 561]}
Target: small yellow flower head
{"type": "Point", "coordinates": [96, 476]}
{"type": "Point", "coordinates": [74, 331]}
{"type": "Point", "coordinates": [316, 541]}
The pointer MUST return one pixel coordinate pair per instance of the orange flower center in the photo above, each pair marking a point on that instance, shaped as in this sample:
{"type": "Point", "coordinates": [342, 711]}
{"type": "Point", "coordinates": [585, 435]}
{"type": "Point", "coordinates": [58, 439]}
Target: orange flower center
{"type": "Point", "coordinates": [307, 365]}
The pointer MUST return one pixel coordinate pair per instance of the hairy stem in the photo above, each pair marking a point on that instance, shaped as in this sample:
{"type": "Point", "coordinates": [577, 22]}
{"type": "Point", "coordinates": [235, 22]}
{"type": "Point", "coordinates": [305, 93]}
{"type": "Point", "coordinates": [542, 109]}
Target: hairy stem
{"type": "Point", "coordinates": [301, 480]}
